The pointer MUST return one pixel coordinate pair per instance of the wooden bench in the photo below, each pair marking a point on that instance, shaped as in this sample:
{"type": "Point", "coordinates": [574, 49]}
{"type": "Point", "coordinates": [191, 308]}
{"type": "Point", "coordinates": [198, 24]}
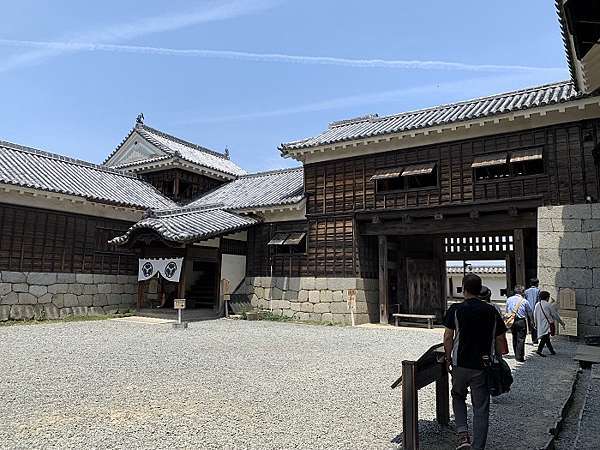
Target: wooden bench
{"type": "Point", "coordinates": [429, 317]}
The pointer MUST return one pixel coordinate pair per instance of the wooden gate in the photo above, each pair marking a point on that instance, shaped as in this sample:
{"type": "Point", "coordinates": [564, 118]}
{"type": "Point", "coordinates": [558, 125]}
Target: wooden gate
{"type": "Point", "coordinates": [424, 289]}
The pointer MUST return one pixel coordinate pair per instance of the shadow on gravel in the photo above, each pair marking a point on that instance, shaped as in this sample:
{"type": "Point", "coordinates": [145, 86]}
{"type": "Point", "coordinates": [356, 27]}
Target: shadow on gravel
{"type": "Point", "coordinates": [432, 436]}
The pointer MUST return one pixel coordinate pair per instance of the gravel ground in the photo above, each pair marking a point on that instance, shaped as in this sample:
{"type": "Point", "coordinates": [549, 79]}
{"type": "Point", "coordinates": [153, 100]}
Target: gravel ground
{"type": "Point", "coordinates": [236, 384]}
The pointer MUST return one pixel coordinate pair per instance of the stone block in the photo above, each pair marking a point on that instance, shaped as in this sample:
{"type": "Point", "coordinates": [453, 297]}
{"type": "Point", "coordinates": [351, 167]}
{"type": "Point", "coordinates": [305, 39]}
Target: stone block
{"type": "Point", "coordinates": [544, 225]}
{"type": "Point", "coordinates": [279, 282]}
{"type": "Point", "coordinates": [99, 278]}
{"type": "Point", "coordinates": [575, 278]}
{"type": "Point", "coordinates": [90, 289]}
{"type": "Point", "coordinates": [84, 278]}
{"type": "Point", "coordinates": [321, 308]}
{"type": "Point", "coordinates": [338, 308]}
{"type": "Point", "coordinates": [588, 330]}
{"type": "Point", "coordinates": [39, 313]}
{"type": "Point", "coordinates": [128, 299]}
{"type": "Point", "coordinates": [12, 298]}
{"type": "Point", "coordinates": [80, 311]}
{"type": "Point", "coordinates": [267, 293]}
{"type": "Point", "coordinates": [314, 296]}
{"type": "Point", "coordinates": [70, 300]}
{"type": "Point", "coordinates": [596, 277]}
{"type": "Point", "coordinates": [295, 306]}
{"type": "Point", "coordinates": [587, 314]}
{"type": "Point", "coordinates": [60, 288]}
{"type": "Point", "coordinates": [302, 316]}
{"type": "Point", "coordinates": [76, 289]}
{"type": "Point", "coordinates": [65, 312]}
{"type": "Point", "coordinates": [104, 288]}
{"type": "Point", "coordinates": [66, 278]}
{"type": "Point", "coordinates": [291, 296]}
{"type": "Point", "coordinates": [20, 287]}
{"type": "Point", "coordinates": [126, 279]}
{"type": "Point", "coordinates": [574, 240]}
{"type": "Point", "coordinates": [114, 299]}
{"type": "Point", "coordinates": [284, 304]}
{"type": "Point", "coordinates": [38, 290]}
{"type": "Point", "coordinates": [110, 310]}
{"type": "Point", "coordinates": [320, 284]}
{"type": "Point", "coordinates": [303, 296]}
{"type": "Point", "coordinates": [550, 212]}
{"type": "Point", "coordinates": [582, 211]}
{"type": "Point", "coordinates": [58, 300]}
{"type": "Point", "coordinates": [592, 297]}
{"type": "Point", "coordinates": [96, 311]}
{"type": "Point", "coordinates": [45, 279]}
{"type": "Point", "coordinates": [25, 298]}
{"type": "Point", "coordinates": [595, 210]}
{"type": "Point", "coordinates": [547, 275]}
{"type": "Point", "coordinates": [276, 293]}
{"type": "Point", "coordinates": [288, 313]}
{"type": "Point", "coordinates": [307, 307]}
{"type": "Point", "coordinates": [341, 284]}
{"type": "Point", "coordinates": [314, 317]}
{"type": "Point", "coordinates": [46, 298]}
{"type": "Point", "coordinates": [341, 318]}
{"type": "Point", "coordinates": [590, 225]}
{"type": "Point", "coordinates": [85, 300]}
{"type": "Point", "coordinates": [14, 277]}
{"type": "Point", "coordinates": [308, 283]}
{"type": "Point", "coordinates": [549, 257]}
{"type": "Point", "coordinates": [561, 225]}
{"type": "Point", "coordinates": [21, 312]}
{"type": "Point", "coordinates": [260, 292]}
{"type": "Point", "coordinates": [277, 312]}
{"type": "Point", "coordinates": [326, 297]}
{"type": "Point", "coordinates": [359, 319]}
{"type": "Point", "coordinates": [5, 288]}
{"type": "Point", "coordinates": [254, 300]}
{"type": "Point", "coordinates": [595, 239]}
{"type": "Point", "coordinates": [337, 296]}
{"type": "Point", "coordinates": [327, 317]}
{"type": "Point", "coordinates": [293, 284]}
{"type": "Point", "coordinates": [574, 258]}
{"type": "Point", "coordinates": [263, 303]}
{"type": "Point", "coordinates": [4, 313]}
{"type": "Point", "coordinates": [51, 312]}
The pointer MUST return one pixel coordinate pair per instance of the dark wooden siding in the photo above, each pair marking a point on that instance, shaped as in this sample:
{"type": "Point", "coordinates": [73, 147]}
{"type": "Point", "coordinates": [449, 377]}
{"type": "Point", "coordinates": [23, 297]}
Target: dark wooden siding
{"type": "Point", "coordinates": [180, 185]}
{"type": "Point", "coordinates": [37, 240]}
{"type": "Point", "coordinates": [570, 173]}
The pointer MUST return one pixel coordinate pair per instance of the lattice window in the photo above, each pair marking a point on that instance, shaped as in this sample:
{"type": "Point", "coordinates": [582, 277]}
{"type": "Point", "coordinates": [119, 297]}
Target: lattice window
{"type": "Point", "coordinates": [479, 244]}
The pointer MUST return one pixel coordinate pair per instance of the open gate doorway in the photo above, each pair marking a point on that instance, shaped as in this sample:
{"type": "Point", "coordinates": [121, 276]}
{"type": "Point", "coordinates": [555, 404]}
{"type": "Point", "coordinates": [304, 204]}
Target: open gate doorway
{"type": "Point", "coordinates": [414, 274]}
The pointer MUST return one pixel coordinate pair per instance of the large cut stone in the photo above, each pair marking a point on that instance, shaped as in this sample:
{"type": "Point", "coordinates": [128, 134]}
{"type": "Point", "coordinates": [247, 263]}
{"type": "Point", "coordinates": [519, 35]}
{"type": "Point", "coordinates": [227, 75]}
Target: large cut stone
{"type": "Point", "coordinates": [4, 313]}
{"type": "Point", "coordinates": [566, 225]}
{"type": "Point", "coordinates": [38, 290]}
{"type": "Point", "coordinates": [276, 293]}
{"type": "Point", "coordinates": [307, 307]}
{"type": "Point", "coordinates": [20, 287]}
{"type": "Point", "coordinates": [307, 283]}
{"type": "Point", "coordinates": [575, 278]}
{"type": "Point", "coordinates": [84, 278]}
{"type": "Point", "coordinates": [327, 317]}
{"type": "Point", "coordinates": [544, 225]}
{"type": "Point", "coordinates": [114, 299]}
{"type": "Point", "coordinates": [59, 288]}
{"type": "Point", "coordinates": [25, 298]}
{"type": "Point", "coordinates": [85, 300]}
{"type": "Point", "coordinates": [314, 317]}
{"type": "Point", "coordinates": [313, 296]}
{"type": "Point", "coordinates": [341, 284]}
{"type": "Point", "coordinates": [70, 300]}
{"type": "Point", "coordinates": [321, 308]}
{"type": "Point", "coordinates": [39, 313]}
{"type": "Point", "coordinates": [110, 310]}
{"type": "Point", "coordinates": [46, 298]}
{"type": "Point", "coordinates": [127, 299]}
{"type": "Point", "coordinates": [5, 288]}
{"type": "Point", "coordinates": [339, 308]}
{"type": "Point", "coordinates": [320, 284]}
{"type": "Point", "coordinates": [326, 297]}
{"type": "Point", "coordinates": [100, 300]}
{"type": "Point", "coordinates": [52, 312]}
{"type": "Point", "coordinates": [574, 258]}
{"type": "Point", "coordinates": [76, 289]}
{"type": "Point", "coordinates": [21, 312]}
{"type": "Point", "coordinates": [303, 296]}
{"type": "Point", "coordinates": [45, 279]}
{"type": "Point", "coordinates": [80, 310]}
{"type": "Point", "coordinates": [14, 277]}
{"type": "Point", "coordinates": [590, 225]}
{"type": "Point", "coordinates": [337, 296]}
{"type": "Point", "coordinates": [66, 278]}
{"type": "Point", "coordinates": [96, 311]}
{"type": "Point", "coordinates": [104, 288]}
{"type": "Point", "coordinates": [12, 298]}
{"type": "Point", "coordinates": [90, 289]}
{"type": "Point", "coordinates": [295, 306]}
{"type": "Point", "coordinates": [66, 312]}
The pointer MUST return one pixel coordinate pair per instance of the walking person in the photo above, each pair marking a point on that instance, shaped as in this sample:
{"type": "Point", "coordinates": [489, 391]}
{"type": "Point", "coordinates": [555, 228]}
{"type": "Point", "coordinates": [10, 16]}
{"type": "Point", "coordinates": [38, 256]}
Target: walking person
{"type": "Point", "coordinates": [546, 316]}
{"type": "Point", "coordinates": [517, 307]}
{"type": "Point", "coordinates": [532, 295]}
{"type": "Point", "coordinates": [472, 327]}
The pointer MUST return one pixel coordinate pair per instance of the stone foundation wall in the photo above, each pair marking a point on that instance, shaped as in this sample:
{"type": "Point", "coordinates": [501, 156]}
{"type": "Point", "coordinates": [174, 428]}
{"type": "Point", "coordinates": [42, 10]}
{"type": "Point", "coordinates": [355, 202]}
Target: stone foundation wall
{"type": "Point", "coordinates": [569, 257]}
{"type": "Point", "coordinates": [314, 299]}
{"type": "Point", "coordinates": [39, 296]}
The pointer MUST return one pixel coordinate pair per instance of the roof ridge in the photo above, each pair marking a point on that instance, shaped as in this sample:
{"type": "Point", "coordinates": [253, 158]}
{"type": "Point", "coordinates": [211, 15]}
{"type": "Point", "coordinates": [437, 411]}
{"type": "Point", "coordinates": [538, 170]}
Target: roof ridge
{"type": "Point", "coordinates": [271, 172]}
{"type": "Point", "coordinates": [182, 141]}
{"type": "Point", "coordinates": [63, 158]}
{"type": "Point", "coordinates": [377, 118]}
{"type": "Point", "coordinates": [184, 210]}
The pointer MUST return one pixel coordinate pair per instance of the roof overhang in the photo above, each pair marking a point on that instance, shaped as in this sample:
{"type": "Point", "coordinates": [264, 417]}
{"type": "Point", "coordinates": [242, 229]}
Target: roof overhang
{"type": "Point", "coordinates": [169, 162]}
{"type": "Point", "coordinates": [580, 109]}
{"type": "Point", "coordinates": [580, 26]}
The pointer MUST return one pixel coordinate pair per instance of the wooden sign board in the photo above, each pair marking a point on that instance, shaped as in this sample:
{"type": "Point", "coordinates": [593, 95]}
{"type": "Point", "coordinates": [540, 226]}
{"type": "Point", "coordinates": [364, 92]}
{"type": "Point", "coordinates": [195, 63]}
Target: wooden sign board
{"type": "Point", "coordinates": [225, 287]}
{"type": "Point", "coordinates": [567, 299]}
{"type": "Point", "coordinates": [352, 299]}
{"type": "Point", "coordinates": [570, 319]}
{"type": "Point", "coordinates": [179, 303]}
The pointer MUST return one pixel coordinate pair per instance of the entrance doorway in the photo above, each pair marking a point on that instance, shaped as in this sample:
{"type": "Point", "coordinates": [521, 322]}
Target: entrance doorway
{"type": "Point", "coordinates": [202, 285]}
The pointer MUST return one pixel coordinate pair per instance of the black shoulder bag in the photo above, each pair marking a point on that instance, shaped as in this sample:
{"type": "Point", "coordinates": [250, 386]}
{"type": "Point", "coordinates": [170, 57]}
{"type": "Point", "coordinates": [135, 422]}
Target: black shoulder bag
{"type": "Point", "coordinates": [497, 372]}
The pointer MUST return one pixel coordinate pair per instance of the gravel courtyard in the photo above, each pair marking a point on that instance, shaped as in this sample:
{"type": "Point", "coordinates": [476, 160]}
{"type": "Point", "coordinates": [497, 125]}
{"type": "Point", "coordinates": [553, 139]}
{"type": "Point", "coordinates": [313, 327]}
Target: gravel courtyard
{"type": "Point", "coordinates": [232, 384]}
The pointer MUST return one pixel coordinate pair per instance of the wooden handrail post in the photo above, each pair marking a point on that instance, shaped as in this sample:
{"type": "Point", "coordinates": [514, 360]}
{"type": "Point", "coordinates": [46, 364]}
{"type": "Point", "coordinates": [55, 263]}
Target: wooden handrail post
{"type": "Point", "coordinates": [442, 398]}
{"type": "Point", "coordinates": [410, 412]}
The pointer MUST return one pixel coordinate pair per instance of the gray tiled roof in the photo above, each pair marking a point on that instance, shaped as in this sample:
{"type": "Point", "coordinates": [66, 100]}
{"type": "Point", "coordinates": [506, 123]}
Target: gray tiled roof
{"type": "Point", "coordinates": [28, 167]}
{"type": "Point", "coordinates": [274, 188]}
{"type": "Point", "coordinates": [369, 126]}
{"type": "Point", "coordinates": [175, 147]}
{"type": "Point", "coordinates": [181, 225]}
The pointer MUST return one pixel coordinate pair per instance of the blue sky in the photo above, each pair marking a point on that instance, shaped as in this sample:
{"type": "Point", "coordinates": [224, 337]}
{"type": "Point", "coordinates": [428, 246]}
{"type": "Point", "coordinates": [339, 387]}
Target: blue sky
{"type": "Point", "coordinates": [254, 73]}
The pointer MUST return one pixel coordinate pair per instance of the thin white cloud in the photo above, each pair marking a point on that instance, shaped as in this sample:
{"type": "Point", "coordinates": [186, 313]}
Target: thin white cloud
{"type": "Point", "coordinates": [214, 11]}
{"type": "Point", "coordinates": [462, 89]}
{"type": "Point", "coordinates": [72, 46]}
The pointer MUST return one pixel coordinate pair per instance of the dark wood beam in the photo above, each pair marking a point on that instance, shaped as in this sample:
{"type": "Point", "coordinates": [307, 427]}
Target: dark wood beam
{"type": "Point", "coordinates": [519, 245]}
{"type": "Point", "coordinates": [383, 280]}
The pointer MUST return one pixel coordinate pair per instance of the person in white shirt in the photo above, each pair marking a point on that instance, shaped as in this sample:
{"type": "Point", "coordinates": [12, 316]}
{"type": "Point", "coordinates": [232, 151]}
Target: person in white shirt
{"type": "Point", "coordinates": [545, 316]}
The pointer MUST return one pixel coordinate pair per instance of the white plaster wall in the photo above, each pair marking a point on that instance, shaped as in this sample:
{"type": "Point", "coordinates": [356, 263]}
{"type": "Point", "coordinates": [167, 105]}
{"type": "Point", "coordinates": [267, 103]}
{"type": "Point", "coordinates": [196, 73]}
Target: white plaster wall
{"type": "Point", "coordinates": [233, 268]}
{"type": "Point", "coordinates": [492, 281]}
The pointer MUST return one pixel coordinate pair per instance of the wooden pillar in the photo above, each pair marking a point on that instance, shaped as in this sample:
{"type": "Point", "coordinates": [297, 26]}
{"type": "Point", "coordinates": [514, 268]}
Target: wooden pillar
{"type": "Point", "coordinates": [410, 411]}
{"type": "Point", "coordinates": [140, 294]}
{"type": "Point", "coordinates": [182, 278]}
{"type": "Point", "coordinates": [519, 246]}
{"type": "Point", "coordinates": [442, 398]}
{"type": "Point", "coordinates": [383, 280]}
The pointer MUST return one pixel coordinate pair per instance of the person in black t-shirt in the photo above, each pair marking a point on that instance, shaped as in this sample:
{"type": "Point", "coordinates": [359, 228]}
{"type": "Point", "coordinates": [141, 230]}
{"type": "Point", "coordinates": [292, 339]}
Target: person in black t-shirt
{"type": "Point", "coordinates": [474, 329]}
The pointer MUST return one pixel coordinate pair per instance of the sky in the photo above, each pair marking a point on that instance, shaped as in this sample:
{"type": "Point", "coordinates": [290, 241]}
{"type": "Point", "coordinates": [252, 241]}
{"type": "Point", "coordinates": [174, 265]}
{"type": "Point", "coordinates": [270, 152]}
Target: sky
{"type": "Point", "coordinates": [249, 75]}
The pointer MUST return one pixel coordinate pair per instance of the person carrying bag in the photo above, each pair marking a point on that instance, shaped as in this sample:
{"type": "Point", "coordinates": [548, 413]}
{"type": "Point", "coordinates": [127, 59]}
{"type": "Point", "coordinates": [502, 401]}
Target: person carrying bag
{"type": "Point", "coordinates": [545, 317]}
